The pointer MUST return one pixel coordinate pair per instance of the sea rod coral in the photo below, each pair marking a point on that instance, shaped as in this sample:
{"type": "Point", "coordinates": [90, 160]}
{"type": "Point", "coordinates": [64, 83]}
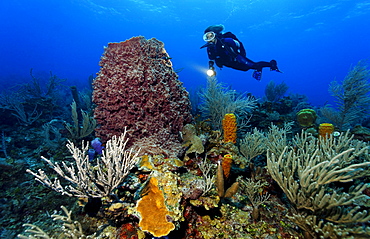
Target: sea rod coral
{"type": "Point", "coordinates": [352, 98]}
{"type": "Point", "coordinates": [319, 179]}
{"type": "Point", "coordinates": [89, 181]}
{"type": "Point", "coordinates": [217, 101]}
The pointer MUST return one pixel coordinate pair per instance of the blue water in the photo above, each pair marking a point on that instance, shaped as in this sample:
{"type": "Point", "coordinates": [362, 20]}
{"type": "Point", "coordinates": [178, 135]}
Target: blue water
{"type": "Point", "coordinates": [314, 42]}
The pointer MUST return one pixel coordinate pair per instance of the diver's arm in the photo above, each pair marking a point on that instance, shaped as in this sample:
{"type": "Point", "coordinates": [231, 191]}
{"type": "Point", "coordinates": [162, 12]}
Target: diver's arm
{"type": "Point", "coordinates": [211, 53]}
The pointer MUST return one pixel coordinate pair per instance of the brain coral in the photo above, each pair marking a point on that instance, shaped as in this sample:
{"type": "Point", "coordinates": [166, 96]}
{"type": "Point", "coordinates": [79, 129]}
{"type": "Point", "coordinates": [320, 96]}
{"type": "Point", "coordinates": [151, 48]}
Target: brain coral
{"type": "Point", "coordinates": [137, 88]}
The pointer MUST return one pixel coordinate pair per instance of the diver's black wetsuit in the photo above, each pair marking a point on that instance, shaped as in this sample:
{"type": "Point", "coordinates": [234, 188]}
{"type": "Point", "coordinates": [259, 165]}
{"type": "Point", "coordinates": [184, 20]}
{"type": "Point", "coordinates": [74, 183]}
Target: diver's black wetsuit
{"type": "Point", "coordinates": [228, 51]}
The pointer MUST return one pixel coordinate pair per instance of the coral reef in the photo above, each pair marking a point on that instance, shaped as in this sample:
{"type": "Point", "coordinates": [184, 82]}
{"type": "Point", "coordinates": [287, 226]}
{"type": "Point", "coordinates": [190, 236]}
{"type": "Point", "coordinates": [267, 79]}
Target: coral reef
{"type": "Point", "coordinates": [361, 133]}
{"type": "Point", "coordinates": [31, 100]}
{"type": "Point", "coordinates": [208, 185]}
{"type": "Point", "coordinates": [159, 207]}
{"type": "Point", "coordinates": [70, 228]}
{"type": "Point", "coordinates": [137, 88]}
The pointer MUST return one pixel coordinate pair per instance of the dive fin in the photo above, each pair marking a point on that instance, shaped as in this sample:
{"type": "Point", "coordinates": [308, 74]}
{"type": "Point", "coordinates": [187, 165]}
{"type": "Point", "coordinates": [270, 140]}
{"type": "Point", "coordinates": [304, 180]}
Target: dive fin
{"type": "Point", "coordinates": [274, 66]}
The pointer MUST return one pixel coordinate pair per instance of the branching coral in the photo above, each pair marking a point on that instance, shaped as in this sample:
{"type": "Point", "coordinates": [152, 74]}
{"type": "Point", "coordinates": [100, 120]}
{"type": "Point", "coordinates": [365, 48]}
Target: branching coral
{"type": "Point", "coordinates": [37, 91]}
{"type": "Point", "coordinates": [70, 228]}
{"type": "Point", "coordinates": [277, 138]}
{"type": "Point", "coordinates": [253, 190]}
{"type": "Point", "coordinates": [252, 145]}
{"type": "Point", "coordinates": [274, 92]}
{"type": "Point", "coordinates": [87, 181]}
{"type": "Point", "coordinates": [31, 100]}
{"type": "Point", "coordinates": [312, 176]}
{"type": "Point", "coordinates": [15, 103]}
{"type": "Point", "coordinates": [87, 127]}
{"type": "Point", "coordinates": [208, 177]}
{"type": "Point", "coordinates": [352, 97]}
{"type": "Point", "coordinates": [217, 101]}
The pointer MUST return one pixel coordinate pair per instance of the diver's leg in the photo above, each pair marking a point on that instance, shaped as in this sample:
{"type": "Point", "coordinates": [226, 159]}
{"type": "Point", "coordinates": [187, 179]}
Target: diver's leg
{"type": "Point", "coordinates": [248, 64]}
{"type": "Point", "coordinates": [272, 64]}
{"type": "Point", "coordinates": [261, 64]}
{"type": "Point", "coordinates": [251, 64]}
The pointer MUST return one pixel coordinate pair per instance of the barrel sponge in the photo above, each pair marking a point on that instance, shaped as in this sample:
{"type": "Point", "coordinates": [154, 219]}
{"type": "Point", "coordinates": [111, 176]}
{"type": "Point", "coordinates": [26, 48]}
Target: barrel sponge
{"type": "Point", "coordinates": [229, 128]}
{"type": "Point", "coordinates": [306, 117]}
{"type": "Point", "coordinates": [153, 210]}
{"type": "Point", "coordinates": [137, 88]}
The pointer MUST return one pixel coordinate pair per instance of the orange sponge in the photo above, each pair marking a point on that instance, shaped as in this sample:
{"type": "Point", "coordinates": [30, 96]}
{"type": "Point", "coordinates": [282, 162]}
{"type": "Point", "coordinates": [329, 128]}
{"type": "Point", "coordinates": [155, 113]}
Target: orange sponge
{"type": "Point", "coordinates": [229, 128]}
{"type": "Point", "coordinates": [226, 164]}
{"type": "Point", "coordinates": [326, 129]}
{"type": "Point", "coordinates": [153, 211]}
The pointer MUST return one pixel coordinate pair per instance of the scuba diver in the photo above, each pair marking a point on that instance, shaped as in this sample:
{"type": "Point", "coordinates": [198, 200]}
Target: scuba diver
{"type": "Point", "coordinates": [226, 50]}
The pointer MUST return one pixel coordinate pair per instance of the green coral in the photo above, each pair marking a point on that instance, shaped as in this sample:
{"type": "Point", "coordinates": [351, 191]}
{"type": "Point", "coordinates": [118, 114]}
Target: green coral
{"type": "Point", "coordinates": [306, 117]}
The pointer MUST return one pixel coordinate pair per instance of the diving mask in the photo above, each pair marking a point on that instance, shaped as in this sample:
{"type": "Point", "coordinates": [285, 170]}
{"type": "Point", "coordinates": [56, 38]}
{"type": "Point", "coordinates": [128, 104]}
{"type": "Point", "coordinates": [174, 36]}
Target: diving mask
{"type": "Point", "coordinates": [209, 36]}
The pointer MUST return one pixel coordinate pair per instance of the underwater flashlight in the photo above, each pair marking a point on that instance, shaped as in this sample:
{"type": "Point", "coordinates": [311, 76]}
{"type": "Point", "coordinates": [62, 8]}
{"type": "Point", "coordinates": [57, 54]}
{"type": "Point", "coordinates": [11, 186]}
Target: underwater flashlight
{"type": "Point", "coordinates": [211, 70]}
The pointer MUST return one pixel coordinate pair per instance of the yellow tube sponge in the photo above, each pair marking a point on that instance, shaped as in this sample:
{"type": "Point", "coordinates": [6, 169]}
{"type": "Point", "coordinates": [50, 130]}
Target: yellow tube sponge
{"type": "Point", "coordinates": [153, 210]}
{"type": "Point", "coordinates": [326, 129]}
{"type": "Point", "coordinates": [229, 128]}
{"type": "Point", "coordinates": [226, 164]}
